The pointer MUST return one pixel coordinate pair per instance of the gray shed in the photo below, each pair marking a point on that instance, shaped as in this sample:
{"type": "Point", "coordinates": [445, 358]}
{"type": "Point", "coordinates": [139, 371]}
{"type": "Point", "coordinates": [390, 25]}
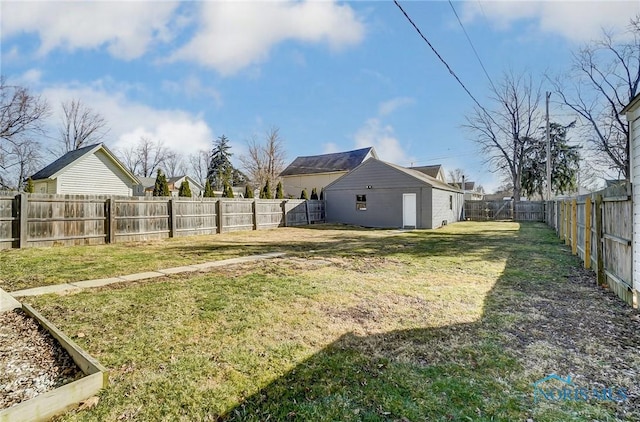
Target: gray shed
{"type": "Point", "coordinates": [381, 194]}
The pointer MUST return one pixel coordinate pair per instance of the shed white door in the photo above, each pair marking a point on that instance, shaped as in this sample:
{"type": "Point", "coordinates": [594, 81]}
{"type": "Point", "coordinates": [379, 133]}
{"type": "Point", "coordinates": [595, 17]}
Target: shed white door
{"type": "Point", "coordinates": [409, 210]}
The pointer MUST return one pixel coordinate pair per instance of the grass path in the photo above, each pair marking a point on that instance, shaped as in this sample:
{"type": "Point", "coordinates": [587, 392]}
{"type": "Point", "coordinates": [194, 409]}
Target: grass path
{"type": "Point", "coordinates": [452, 324]}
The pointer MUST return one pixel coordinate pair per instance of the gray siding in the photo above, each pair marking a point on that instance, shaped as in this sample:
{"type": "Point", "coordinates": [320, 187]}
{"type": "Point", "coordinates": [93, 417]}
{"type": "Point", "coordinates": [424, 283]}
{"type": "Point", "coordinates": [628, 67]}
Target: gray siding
{"type": "Point", "coordinates": [92, 175]}
{"type": "Point", "coordinates": [384, 199]}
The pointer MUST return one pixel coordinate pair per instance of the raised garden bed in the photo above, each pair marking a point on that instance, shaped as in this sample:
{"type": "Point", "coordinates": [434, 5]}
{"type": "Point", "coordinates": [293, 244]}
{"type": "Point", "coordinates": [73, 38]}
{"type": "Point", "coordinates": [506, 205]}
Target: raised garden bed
{"type": "Point", "coordinates": [42, 372]}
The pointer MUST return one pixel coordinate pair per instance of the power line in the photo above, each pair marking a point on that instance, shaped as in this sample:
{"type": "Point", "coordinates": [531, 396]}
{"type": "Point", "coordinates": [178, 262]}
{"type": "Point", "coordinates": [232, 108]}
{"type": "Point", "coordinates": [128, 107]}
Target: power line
{"type": "Point", "coordinates": [472, 46]}
{"type": "Point", "coordinates": [443, 61]}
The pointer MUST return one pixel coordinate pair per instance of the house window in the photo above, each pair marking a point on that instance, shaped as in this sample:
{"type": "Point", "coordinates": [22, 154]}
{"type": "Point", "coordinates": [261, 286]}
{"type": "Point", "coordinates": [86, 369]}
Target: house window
{"type": "Point", "coordinates": [450, 202]}
{"type": "Point", "coordinates": [361, 202]}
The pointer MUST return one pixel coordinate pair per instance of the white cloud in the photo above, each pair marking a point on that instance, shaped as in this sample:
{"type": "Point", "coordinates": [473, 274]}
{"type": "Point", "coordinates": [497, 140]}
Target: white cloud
{"type": "Point", "coordinates": [179, 130]}
{"type": "Point", "coordinates": [575, 20]}
{"type": "Point", "coordinates": [126, 28]}
{"type": "Point", "coordinates": [387, 107]}
{"type": "Point", "coordinates": [381, 137]}
{"type": "Point", "coordinates": [235, 35]}
{"type": "Point", "coordinates": [330, 147]}
{"type": "Point", "coordinates": [193, 87]}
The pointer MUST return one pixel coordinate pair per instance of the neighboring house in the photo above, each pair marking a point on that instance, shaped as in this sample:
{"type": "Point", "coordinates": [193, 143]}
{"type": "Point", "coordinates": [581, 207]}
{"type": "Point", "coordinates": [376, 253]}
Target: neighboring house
{"type": "Point", "coordinates": [147, 184]}
{"type": "Point", "coordinates": [632, 112]}
{"type": "Point", "coordinates": [436, 171]}
{"type": "Point", "coordinates": [473, 193]}
{"type": "Point", "coordinates": [381, 194]}
{"type": "Point", "coordinates": [318, 171]}
{"type": "Point", "coordinates": [91, 170]}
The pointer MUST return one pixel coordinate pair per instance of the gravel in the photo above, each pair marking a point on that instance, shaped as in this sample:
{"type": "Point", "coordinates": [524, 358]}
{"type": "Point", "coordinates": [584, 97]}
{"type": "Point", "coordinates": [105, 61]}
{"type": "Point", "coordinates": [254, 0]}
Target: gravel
{"type": "Point", "coordinates": [31, 360]}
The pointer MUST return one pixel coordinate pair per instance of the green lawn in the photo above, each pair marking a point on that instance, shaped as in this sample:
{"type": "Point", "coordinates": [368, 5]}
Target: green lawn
{"type": "Point", "coordinates": [451, 324]}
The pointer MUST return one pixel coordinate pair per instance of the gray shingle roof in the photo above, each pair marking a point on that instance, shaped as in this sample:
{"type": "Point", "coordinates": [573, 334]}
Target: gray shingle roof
{"type": "Point", "coordinates": [428, 170]}
{"type": "Point", "coordinates": [62, 162]}
{"type": "Point", "coordinates": [339, 161]}
{"type": "Point", "coordinates": [425, 178]}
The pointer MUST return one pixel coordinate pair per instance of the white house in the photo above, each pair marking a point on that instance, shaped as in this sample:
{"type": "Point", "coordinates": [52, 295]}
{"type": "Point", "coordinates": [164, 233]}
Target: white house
{"type": "Point", "coordinates": [91, 170]}
{"type": "Point", "coordinates": [145, 188]}
{"type": "Point", "coordinates": [632, 112]}
{"type": "Point", "coordinates": [318, 171]}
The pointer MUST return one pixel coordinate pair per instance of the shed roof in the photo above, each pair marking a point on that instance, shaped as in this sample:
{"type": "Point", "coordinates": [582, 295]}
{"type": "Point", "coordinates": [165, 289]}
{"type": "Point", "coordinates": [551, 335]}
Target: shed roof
{"type": "Point", "coordinates": [52, 170]}
{"type": "Point", "coordinates": [327, 163]}
{"type": "Point", "coordinates": [429, 170]}
{"type": "Point", "coordinates": [417, 174]}
{"type": "Point", "coordinates": [420, 176]}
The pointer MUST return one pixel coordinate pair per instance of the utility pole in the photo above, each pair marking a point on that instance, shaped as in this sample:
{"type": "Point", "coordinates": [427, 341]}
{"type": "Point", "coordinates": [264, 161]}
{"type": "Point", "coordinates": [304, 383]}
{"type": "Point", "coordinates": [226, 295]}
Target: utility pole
{"type": "Point", "coordinates": [548, 151]}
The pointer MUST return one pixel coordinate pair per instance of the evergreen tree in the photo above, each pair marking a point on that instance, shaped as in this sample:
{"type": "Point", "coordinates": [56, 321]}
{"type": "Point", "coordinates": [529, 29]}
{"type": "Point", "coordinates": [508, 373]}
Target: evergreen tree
{"type": "Point", "coordinates": [208, 192]}
{"type": "Point", "coordinates": [322, 194]}
{"type": "Point", "coordinates": [266, 191]}
{"type": "Point", "coordinates": [185, 189]}
{"type": "Point", "coordinates": [279, 191]}
{"type": "Point", "coordinates": [29, 188]}
{"type": "Point", "coordinates": [161, 187]}
{"type": "Point", "coordinates": [304, 194]}
{"type": "Point", "coordinates": [314, 194]}
{"type": "Point", "coordinates": [248, 191]}
{"type": "Point", "coordinates": [565, 163]}
{"type": "Point", "coordinates": [220, 167]}
{"type": "Point", "coordinates": [227, 191]}
{"type": "Point", "coordinates": [219, 162]}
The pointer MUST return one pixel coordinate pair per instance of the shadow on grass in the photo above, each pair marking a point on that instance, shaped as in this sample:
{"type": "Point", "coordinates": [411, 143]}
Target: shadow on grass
{"type": "Point", "coordinates": [476, 371]}
{"type": "Point", "coordinates": [483, 245]}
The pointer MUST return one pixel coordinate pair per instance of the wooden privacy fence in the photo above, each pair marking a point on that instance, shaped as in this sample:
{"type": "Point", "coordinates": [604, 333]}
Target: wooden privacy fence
{"type": "Point", "coordinates": [46, 220]}
{"type": "Point", "coordinates": [598, 227]}
{"type": "Point", "coordinates": [504, 210]}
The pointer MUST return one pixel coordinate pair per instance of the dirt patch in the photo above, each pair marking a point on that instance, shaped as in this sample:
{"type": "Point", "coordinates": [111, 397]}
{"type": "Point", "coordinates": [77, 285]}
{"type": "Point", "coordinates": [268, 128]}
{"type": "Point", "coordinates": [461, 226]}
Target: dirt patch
{"type": "Point", "coordinates": [31, 360]}
{"type": "Point", "coordinates": [573, 327]}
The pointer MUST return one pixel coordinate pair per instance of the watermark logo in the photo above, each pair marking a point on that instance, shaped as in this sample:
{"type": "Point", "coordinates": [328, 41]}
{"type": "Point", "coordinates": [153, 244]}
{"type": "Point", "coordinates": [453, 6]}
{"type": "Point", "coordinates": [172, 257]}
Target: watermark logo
{"type": "Point", "coordinates": [555, 388]}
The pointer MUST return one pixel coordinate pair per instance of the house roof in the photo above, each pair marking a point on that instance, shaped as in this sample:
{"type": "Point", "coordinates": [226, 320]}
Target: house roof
{"type": "Point", "coordinates": [147, 181]}
{"type": "Point", "coordinates": [176, 179]}
{"type": "Point", "coordinates": [420, 176]}
{"type": "Point", "coordinates": [429, 170]}
{"type": "Point", "coordinates": [424, 177]}
{"type": "Point", "coordinates": [327, 163]}
{"type": "Point", "coordinates": [635, 101]}
{"type": "Point", "coordinates": [54, 169]}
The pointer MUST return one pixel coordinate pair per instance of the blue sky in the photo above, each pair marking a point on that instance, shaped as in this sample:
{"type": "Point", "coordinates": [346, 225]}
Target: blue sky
{"type": "Point", "coordinates": [331, 76]}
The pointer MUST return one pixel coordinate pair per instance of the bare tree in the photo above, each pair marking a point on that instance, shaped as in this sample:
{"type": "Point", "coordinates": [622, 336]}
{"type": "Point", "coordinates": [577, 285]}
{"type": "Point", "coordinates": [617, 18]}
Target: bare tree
{"type": "Point", "coordinates": [173, 164]}
{"type": "Point", "coordinates": [143, 158]}
{"type": "Point", "coordinates": [605, 77]}
{"type": "Point", "coordinates": [266, 161]}
{"type": "Point", "coordinates": [455, 177]}
{"type": "Point", "coordinates": [274, 151]}
{"type": "Point", "coordinates": [199, 164]}
{"type": "Point", "coordinates": [21, 119]}
{"type": "Point", "coordinates": [80, 126]}
{"type": "Point", "coordinates": [506, 134]}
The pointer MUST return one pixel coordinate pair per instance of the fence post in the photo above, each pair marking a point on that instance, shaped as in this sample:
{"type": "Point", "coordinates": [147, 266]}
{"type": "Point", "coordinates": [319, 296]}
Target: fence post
{"type": "Point", "coordinates": [219, 212]}
{"type": "Point", "coordinates": [599, 246]}
{"type": "Point", "coordinates": [171, 207]}
{"type": "Point", "coordinates": [587, 233]}
{"type": "Point", "coordinates": [110, 219]}
{"type": "Point", "coordinates": [566, 223]}
{"type": "Point", "coordinates": [22, 212]}
{"type": "Point", "coordinates": [284, 213]}
{"type": "Point", "coordinates": [254, 210]}
{"type": "Point", "coordinates": [306, 207]}
{"type": "Point", "coordinates": [560, 220]}
{"type": "Point", "coordinates": [574, 227]}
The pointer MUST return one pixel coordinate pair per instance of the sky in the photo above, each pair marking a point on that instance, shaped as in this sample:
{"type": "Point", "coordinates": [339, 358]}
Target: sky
{"type": "Point", "coordinates": [331, 76]}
